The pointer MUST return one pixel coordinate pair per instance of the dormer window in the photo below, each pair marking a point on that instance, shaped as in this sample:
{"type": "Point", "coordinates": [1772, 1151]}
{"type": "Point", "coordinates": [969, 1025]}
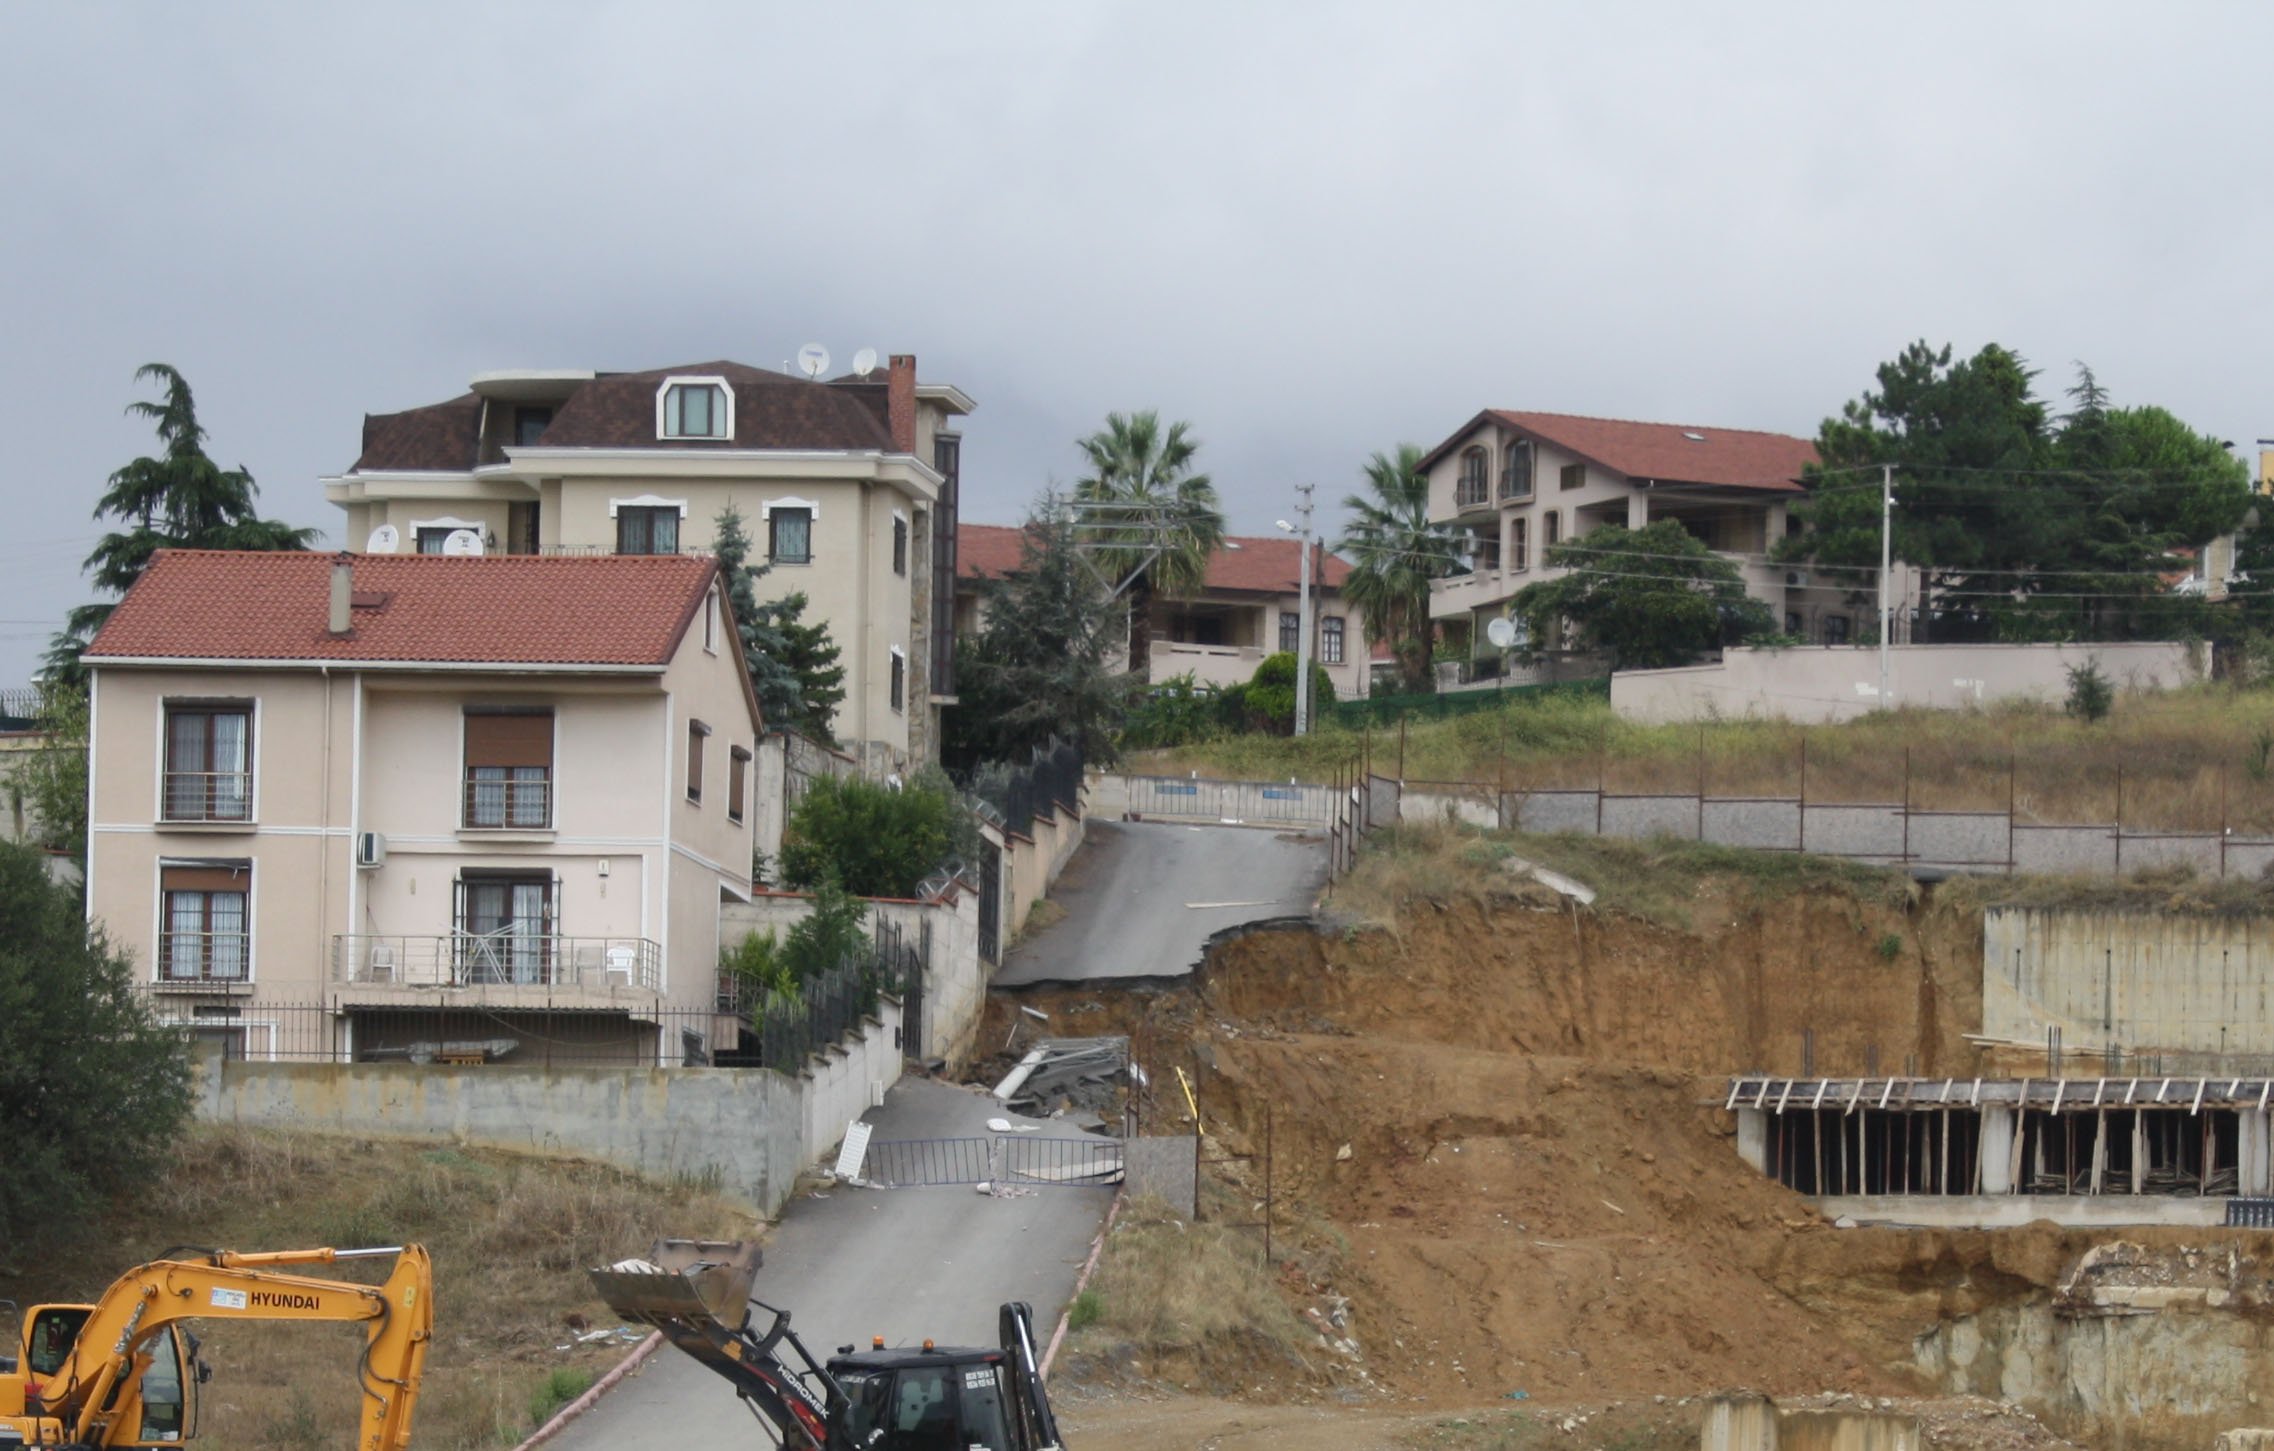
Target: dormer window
{"type": "Point", "coordinates": [694, 408]}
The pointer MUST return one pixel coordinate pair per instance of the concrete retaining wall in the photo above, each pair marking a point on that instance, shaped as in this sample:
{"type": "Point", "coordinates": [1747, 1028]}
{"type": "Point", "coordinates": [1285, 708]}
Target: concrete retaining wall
{"type": "Point", "coordinates": [2011, 1211]}
{"type": "Point", "coordinates": [747, 1130]}
{"type": "Point", "coordinates": [1841, 682]}
{"type": "Point", "coordinates": [2145, 983]}
{"type": "Point", "coordinates": [955, 980]}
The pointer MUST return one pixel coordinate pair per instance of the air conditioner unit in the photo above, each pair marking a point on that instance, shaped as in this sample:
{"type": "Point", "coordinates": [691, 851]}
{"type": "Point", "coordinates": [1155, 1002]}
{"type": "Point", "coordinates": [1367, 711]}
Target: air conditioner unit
{"type": "Point", "coordinates": [1796, 579]}
{"type": "Point", "coordinates": [370, 850]}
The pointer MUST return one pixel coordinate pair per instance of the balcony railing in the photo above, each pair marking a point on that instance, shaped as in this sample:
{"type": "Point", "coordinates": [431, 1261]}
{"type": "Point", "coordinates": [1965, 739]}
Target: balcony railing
{"type": "Point", "coordinates": [1473, 491]}
{"type": "Point", "coordinates": [506, 805]}
{"type": "Point", "coordinates": [501, 959]}
{"type": "Point", "coordinates": [209, 795]}
{"type": "Point", "coordinates": [203, 957]}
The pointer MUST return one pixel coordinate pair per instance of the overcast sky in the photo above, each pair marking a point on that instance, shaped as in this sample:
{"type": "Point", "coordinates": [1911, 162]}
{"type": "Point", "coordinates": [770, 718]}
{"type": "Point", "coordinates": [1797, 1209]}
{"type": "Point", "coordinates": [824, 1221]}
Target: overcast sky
{"type": "Point", "coordinates": [1313, 230]}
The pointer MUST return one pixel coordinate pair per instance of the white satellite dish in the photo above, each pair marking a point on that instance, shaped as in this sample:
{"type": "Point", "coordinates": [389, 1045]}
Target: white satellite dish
{"type": "Point", "coordinates": [1501, 632]}
{"type": "Point", "coordinates": [462, 543]}
{"type": "Point", "coordinates": [385, 539]}
{"type": "Point", "coordinates": [864, 362]}
{"type": "Point", "coordinates": [814, 359]}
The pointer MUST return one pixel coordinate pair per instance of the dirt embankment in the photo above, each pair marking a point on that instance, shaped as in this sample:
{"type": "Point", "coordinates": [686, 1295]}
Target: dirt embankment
{"type": "Point", "coordinates": [1499, 1128]}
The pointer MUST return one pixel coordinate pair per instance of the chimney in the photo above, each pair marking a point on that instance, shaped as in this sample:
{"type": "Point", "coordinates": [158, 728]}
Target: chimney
{"type": "Point", "coordinates": [900, 401]}
{"type": "Point", "coordinates": [343, 594]}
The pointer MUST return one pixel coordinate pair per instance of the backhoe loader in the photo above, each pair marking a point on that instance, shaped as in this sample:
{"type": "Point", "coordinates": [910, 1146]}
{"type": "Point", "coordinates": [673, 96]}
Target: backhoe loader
{"type": "Point", "coordinates": [933, 1398]}
{"type": "Point", "coordinates": [125, 1371]}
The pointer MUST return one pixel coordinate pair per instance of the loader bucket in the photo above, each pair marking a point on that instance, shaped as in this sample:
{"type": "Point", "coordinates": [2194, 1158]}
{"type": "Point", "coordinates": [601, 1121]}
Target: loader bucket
{"type": "Point", "coordinates": [687, 1280]}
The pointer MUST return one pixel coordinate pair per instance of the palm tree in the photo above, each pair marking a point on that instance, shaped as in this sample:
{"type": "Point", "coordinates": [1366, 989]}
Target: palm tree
{"type": "Point", "coordinates": [1148, 521]}
{"type": "Point", "coordinates": [1394, 552]}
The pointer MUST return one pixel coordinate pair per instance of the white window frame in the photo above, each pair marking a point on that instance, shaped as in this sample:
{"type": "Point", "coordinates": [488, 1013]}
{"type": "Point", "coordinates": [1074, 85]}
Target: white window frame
{"type": "Point", "coordinates": [767, 507]}
{"type": "Point", "coordinates": [663, 408]}
{"type": "Point", "coordinates": [711, 621]}
{"type": "Point", "coordinates": [900, 706]}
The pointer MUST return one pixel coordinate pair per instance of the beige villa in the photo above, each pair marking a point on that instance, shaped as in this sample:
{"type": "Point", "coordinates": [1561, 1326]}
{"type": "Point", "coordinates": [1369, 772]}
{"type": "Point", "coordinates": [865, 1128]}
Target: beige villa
{"type": "Point", "coordinates": [1516, 484]}
{"type": "Point", "coordinates": [371, 807]}
{"type": "Point", "coordinates": [848, 488]}
{"type": "Point", "coordinates": [1250, 606]}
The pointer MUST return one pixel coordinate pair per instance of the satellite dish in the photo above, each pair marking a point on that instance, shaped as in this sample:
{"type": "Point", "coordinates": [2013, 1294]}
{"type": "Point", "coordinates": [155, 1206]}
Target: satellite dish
{"type": "Point", "coordinates": [814, 359]}
{"type": "Point", "coordinates": [864, 362]}
{"type": "Point", "coordinates": [462, 543]}
{"type": "Point", "coordinates": [384, 540]}
{"type": "Point", "coordinates": [1501, 632]}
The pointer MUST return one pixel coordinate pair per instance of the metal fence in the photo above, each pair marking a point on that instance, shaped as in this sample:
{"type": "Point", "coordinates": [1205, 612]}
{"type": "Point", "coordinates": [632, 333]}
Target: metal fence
{"type": "Point", "coordinates": [1194, 798]}
{"type": "Point", "coordinates": [1005, 1159]}
{"type": "Point", "coordinates": [1051, 781]}
{"type": "Point", "coordinates": [20, 709]}
{"type": "Point", "coordinates": [526, 1034]}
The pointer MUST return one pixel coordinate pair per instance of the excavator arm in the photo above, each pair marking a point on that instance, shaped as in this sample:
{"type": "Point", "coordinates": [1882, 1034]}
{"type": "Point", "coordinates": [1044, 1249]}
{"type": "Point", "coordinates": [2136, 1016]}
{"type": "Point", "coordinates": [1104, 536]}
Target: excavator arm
{"type": "Point", "coordinates": [94, 1394]}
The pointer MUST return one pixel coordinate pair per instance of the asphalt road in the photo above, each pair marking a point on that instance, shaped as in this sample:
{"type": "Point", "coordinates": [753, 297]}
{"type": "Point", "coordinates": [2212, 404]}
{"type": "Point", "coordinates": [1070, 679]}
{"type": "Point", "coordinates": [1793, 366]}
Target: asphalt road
{"type": "Point", "coordinates": [1142, 898]}
{"type": "Point", "coordinates": [901, 1263]}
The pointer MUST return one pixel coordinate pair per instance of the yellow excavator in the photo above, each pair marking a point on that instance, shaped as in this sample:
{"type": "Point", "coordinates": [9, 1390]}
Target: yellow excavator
{"type": "Point", "coordinates": [125, 1371]}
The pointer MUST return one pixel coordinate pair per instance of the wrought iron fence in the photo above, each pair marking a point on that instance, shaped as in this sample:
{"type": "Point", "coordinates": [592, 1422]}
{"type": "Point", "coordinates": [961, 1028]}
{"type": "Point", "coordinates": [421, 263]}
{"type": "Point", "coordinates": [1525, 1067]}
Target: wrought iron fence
{"type": "Point", "coordinates": [535, 1033]}
{"type": "Point", "coordinates": [1051, 781]}
{"type": "Point", "coordinates": [20, 709]}
{"type": "Point", "coordinates": [789, 1028]}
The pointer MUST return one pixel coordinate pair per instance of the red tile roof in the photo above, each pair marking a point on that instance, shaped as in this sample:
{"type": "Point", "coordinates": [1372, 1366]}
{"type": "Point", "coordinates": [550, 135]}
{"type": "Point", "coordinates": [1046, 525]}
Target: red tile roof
{"type": "Point", "coordinates": [1248, 563]}
{"type": "Point", "coordinates": [1668, 453]}
{"type": "Point", "coordinates": [505, 609]}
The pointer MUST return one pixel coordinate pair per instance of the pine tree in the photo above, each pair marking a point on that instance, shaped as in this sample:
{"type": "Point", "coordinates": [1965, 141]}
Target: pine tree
{"type": "Point", "coordinates": [1037, 669]}
{"type": "Point", "coordinates": [793, 665]}
{"type": "Point", "coordinates": [180, 499]}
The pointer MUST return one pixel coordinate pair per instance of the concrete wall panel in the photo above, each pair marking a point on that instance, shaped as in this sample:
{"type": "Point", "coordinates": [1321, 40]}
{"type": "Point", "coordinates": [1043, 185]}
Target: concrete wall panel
{"type": "Point", "coordinates": [1763, 825]}
{"type": "Point", "coordinates": [2063, 850]}
{"type": "Point", "coordinates": [1975, 838]}
{"type": "Point", "coordinates": [1643, 817]}
{"type": "Point", "coordinates": [1859, 831]}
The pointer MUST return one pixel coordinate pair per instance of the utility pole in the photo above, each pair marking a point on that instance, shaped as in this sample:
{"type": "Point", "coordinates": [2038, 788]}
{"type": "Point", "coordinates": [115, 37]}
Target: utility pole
{"type": "Point", "coordinates": [1886, 562]}
{"type": "Point", "coordinates": [1303, 635]}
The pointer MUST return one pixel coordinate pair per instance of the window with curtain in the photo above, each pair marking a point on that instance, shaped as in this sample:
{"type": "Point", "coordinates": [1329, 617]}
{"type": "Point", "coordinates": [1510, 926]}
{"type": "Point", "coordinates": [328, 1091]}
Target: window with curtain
{"type": "Point", "coordinates": [206, 936]}
{"type": "Point", "coordinates": [647, 529]}
{"type": "Point", "coordinates": [789, 536]}
{"type": "Point", "coordinates": [504, 929]}
{"type": "Point", "coordinates": [509, 768]}
{"type": "Point", "coordinates": [209, 761]}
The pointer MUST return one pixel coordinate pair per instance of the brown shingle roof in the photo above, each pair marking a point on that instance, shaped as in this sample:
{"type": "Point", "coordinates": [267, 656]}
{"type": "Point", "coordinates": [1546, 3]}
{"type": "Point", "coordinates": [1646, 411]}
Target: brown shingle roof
{"type": "Point", "coordinates": [617, 410]}
{"type": "Point", "coordinates": [771, 410]}
{"type": "Point", "coordinates": [504, 609]}
{"type": "Point", "coordinates": [1670, 453]}
{"type": "Point", "coordinates": [438, 437]}
{"type": "Point", "coordinates": [1250, 563]}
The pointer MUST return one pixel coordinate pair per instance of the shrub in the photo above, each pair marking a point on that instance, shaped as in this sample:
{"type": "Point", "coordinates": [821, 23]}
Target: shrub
{"type": "Point", "coordinates": [2091, 694]}
{"type": "Point", "coordinates": [833, 931]}
{"type": "Point", "coordinates": [93, 1092]}
{"type": "Point", "coordinates": [1270, 697]}
{"type": "Point", "coordinates": [759, 962]}
{"type": "Point", "coordinates": [1177, 712]}
{"type": "Point", "coordinates": [876, 840]}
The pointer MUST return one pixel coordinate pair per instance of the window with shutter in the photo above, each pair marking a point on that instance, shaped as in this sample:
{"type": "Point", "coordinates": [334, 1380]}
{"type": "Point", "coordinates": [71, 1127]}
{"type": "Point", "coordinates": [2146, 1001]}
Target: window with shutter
{"type": "Point", "coordinates": [737, 782]}
{"type": "Point", "coordinates": [209, 761]}
{"type": "Point", "coordinates": [509, 769]}
{"type": "Point", "coordinates": [696, 732]}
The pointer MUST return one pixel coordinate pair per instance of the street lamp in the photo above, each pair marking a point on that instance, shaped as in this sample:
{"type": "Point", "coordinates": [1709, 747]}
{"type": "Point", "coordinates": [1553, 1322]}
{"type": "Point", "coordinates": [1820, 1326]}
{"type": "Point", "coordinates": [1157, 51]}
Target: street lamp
{"type": "Point", "coordinates": [1303, 620]}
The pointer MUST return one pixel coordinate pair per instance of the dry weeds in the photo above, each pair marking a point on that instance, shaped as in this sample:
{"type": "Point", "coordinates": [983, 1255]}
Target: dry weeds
{"type": "Point", "coordinates": [511, 1237]}
{"type": "Point", "coordinates": [2190, 759]}
{"type": "Point", "coordinates": [1165, 1285]}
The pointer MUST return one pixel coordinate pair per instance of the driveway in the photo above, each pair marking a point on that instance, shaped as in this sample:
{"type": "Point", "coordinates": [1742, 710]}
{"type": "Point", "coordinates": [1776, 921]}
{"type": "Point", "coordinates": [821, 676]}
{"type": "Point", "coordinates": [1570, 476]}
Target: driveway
{"type": "Point", "coordinates": [1142, 898]}
{"type": "Point", "coordinates": [901, 1263]}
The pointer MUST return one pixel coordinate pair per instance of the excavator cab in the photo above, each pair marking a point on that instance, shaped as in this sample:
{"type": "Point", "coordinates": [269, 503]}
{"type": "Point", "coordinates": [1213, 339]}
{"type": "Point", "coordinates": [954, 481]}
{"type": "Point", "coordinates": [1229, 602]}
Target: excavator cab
{"type": "Point", "coordinates": [936, 1398]}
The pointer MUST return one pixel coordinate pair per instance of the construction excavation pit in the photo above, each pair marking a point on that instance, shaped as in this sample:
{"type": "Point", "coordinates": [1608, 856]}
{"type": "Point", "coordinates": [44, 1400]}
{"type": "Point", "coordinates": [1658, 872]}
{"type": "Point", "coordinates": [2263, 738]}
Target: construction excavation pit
{"type": "Point", "coordinates": [1493, 1136]}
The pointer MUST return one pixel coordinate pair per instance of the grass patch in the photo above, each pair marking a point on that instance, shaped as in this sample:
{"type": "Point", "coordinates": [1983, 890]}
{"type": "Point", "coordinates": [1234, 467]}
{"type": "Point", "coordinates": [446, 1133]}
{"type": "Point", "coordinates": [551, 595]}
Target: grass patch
{"type": "Point", "coordinates": [1165, 1284]}
{"type": "Point", "coordinates": [2190, 759]}
{"type": "Point", "coordinates": [562, 1384]}
{"type": "Point", "coordinates": [1043, 913]}
{"type": "Point", "coordinates": [2168, 891]}
{"type": "Point", "coordinates": [1655, 880]}
{"type": "Point", "coordinates": [1085, 1310]}
{"type": "Point", "coordinates": [511, 1237]}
